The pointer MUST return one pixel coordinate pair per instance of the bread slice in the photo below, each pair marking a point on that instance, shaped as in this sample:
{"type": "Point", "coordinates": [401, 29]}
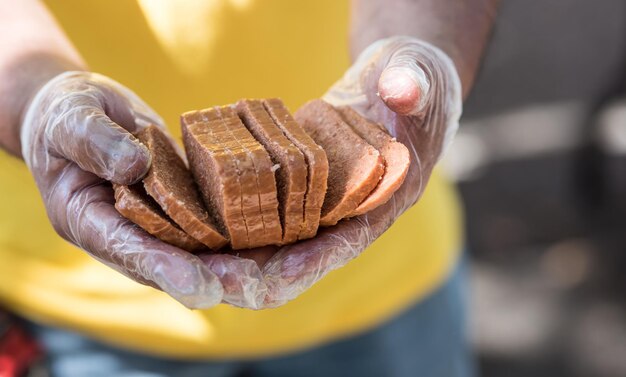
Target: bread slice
{"type": "Point", "coordinates": [171, 185]}
{"type": "Point", "coordinates": [214, 167]}
{"type": "Point", "coordinates": [250, 209]}
{"type": "Point", "coordinates": [271, 233]}
{"type": "Point", "coordinates": [355, 167]}
{"type": "Point", "coordinates": [291, 173]}
{"type": "Point", "coordinates": [316, 165]}
{"type": "Point", "coordinates": [134, 203]}
{"type": "Point", "coordinates": [394, 153]}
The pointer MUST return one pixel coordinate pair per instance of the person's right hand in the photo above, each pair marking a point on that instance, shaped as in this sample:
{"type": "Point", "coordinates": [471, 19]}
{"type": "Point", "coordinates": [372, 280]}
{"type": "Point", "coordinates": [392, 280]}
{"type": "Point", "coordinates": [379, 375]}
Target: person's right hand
{"type": "Point", "coordinates": [76, 136]}
{"type": "Point", "coordinates": [413, 89]}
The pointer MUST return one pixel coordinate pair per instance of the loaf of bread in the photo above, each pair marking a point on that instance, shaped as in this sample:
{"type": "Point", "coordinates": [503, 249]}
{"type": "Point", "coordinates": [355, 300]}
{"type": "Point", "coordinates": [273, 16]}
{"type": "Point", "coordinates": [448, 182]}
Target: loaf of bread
{"type": "Point", "coordinates": [259, 176]}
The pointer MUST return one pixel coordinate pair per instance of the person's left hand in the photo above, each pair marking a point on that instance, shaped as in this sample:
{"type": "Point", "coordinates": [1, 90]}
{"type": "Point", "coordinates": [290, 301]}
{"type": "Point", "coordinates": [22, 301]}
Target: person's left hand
{"type": "Point", "coordinates": [413, 89]}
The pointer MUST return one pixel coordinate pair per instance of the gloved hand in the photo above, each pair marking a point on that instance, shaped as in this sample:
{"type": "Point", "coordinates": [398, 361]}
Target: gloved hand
{"type": "Point", "coordinates": [76, 136]}
{"type": "Point", "coordinates": [413, 89]}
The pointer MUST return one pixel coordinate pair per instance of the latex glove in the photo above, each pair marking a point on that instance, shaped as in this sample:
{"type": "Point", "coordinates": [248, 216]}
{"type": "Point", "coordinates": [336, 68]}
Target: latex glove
{"type": "Point", "coordinates": [76, 136]}
{"type": "Point", "coordinates": [413, 89]}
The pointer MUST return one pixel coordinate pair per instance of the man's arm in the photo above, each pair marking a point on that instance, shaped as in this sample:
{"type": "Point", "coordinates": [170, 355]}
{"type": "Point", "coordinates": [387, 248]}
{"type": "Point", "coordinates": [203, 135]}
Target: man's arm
{"type": "Point", "coordinates": [33, 49]}
{"type": "Point", "coordinates": [460, 28]}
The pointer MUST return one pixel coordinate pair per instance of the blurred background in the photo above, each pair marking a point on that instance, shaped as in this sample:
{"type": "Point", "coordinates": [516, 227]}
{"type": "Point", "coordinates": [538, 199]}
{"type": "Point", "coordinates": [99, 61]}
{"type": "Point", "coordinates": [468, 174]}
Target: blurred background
{"type": "Point", "coordinates": [541, 164]}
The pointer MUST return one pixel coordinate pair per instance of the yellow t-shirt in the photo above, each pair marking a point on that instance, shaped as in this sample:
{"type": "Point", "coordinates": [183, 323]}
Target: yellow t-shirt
{"type": "Point", "coordinates": [181, 55]}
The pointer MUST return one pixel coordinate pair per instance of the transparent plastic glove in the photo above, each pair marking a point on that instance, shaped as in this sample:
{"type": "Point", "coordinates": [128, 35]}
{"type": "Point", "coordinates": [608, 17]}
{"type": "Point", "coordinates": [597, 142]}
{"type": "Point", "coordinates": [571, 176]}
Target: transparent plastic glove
{"type": "Point", "coordinates": [76, 136]}
{"type": "Point", "coordinates": [413, 89]}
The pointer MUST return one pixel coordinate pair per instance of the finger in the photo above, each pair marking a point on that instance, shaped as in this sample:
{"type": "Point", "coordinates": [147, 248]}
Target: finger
{"type": "Point", "coordinates": [81, 209]}
{"type": "Point", "coordinates": [241, 278]}
{"type": "Point", "coordinates": [420, 80]}
{"type": "Point", "coordinates": [82, 133]}
{"type": "Point", "coordinates": [403, 85]}
{"type": "Point", "coordinates": [295, 268]}
{"type": "Point", "coordinates": [401, 89]}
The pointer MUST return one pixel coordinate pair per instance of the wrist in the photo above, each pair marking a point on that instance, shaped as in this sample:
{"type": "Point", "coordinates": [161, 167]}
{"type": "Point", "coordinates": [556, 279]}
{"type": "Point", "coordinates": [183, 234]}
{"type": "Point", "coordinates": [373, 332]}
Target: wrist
{"type": "Point", "coordinates": [22, 80]}
{"type": "Point", "coordinates": [460, 28]}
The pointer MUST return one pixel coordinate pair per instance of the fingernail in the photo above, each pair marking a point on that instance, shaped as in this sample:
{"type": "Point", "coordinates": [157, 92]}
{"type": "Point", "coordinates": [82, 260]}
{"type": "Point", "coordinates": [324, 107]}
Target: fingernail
{"type": "Point", "coordinates": [402, 90]}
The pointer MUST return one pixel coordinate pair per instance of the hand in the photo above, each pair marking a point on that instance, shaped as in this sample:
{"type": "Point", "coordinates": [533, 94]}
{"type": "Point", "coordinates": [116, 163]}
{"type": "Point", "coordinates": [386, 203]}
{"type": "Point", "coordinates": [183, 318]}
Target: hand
{"type": "Point", "coordinates": [414, 90]}
{"type": "Point", "coordinates": [76, 136]}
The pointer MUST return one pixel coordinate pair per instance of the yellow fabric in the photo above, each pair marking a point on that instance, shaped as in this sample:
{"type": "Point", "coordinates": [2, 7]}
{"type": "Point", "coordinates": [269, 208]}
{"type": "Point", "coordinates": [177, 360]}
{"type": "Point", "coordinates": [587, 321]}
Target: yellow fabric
{"type": "Point", "coordinates": [193, 55]}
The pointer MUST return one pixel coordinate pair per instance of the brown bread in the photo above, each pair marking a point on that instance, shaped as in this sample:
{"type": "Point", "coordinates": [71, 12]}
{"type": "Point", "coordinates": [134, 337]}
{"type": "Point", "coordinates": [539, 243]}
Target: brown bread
{"type": "Point", "coordinates": [316, 162]}
{"type": "Point", "coordinates": [395, 155]}
{"type": "Point", "coordinates": [355, 167]}
{"type": "Point", "coordinates": [291, 175]}
{"type": "Point", "coordinates": [247, 178]}
{"type": "Point", "coordinates": [215, 169]}
{"type": "Point", "coordinates": [171, 185]}
{"type": "Point", "coordinates": [134, 203]}
{"type": "Point", "coordinates": [268, 230]}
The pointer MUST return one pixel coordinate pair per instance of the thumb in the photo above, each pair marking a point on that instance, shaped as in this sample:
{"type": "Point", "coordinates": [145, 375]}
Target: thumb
{"type": "Point", "coordinates": [403, 85]}
{"type": "Point", "coordinates": [79, 117]}
{"type": "Point", "coordinates": [419, 79]}
{"type": "Point", "coordinates": [86, 136]}
{"type": "Point", "coordinates": [402, 89]}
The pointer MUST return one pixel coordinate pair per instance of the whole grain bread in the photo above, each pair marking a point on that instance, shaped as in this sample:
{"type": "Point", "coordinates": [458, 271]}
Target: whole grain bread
{"type": "Point", "coordinates": [394, 153]}
{"type": "Point", "coordinates": [134, 203]}
{"type": "Point", "coordinates": [171, 185]}
{"type": "Point", "coordinates": [316, 165]}
{"type": "Point", "coordinates": [355, 167]}
{"type": "Point", "coordinates": [291, 172]}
